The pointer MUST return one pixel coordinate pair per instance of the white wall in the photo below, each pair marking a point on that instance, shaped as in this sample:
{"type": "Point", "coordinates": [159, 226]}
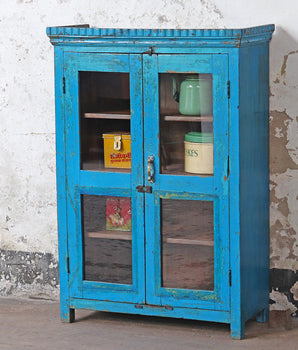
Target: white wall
{"type": "Point", "coordinates": [27, 130]}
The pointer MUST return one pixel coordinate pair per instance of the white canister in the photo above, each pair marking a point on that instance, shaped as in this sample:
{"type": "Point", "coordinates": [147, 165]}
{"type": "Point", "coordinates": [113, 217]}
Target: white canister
{"type": "Point", "coordinates": [198, 153]}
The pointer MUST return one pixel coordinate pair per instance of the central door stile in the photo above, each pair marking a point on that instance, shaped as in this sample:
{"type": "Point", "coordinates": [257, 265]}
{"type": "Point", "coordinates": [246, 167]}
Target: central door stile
{"type": "Point", "coordinates": [137, 171]}
{"type": "Point", "coordinates": [151, 124]}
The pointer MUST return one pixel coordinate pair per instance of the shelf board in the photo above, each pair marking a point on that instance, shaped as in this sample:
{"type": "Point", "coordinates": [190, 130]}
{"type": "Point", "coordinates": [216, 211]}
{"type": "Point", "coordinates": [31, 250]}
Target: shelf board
{"type": "Point", "coordinates": [99, 166]}
{"type": "Point", "coordinates": [126, 236]}
{"type": "Point", "coordinates": [188, 118]}
{"type": "Point", "coordinates": [178, 169]}
{"type": "Point", "coordinates": [203, 238]}
{"type": "Point", "coordinates": [124, 115]}
{"type": "Point", "coordinates": [122, 235]}
{"type": "Point", "coordinates": [189, 241]}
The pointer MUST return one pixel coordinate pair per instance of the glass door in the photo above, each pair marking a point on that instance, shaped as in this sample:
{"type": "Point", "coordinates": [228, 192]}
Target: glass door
{"type": "Point", "coordinates": [186, 156]}
{"type": "Point", "coordinates": [104, 142]}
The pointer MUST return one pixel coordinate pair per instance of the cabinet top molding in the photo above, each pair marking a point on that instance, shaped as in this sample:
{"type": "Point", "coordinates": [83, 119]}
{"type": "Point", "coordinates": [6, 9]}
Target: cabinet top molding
{"type": "Point", "coordinates": [83, 34]}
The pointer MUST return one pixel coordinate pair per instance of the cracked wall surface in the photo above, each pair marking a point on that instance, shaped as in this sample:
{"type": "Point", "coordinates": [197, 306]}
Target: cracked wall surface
{"type": "Point", "coordinates": [27, 155]}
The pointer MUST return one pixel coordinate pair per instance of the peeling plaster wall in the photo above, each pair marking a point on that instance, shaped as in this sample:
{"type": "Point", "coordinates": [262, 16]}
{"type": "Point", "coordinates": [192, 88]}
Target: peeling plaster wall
{"type": "Point", "coordinates": [27, 155]}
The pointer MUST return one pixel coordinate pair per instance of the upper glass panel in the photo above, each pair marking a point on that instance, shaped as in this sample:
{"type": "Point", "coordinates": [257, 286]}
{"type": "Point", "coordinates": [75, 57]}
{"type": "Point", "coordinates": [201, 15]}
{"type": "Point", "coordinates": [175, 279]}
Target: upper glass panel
{"type": "Point", "coordinates": [105, 121]}
{"type": "Point", "coordinates": [186, 124]}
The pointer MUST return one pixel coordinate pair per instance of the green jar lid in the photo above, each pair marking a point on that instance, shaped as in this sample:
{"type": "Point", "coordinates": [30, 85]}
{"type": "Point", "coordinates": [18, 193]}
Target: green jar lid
{"type": "Point", "coordinates": [199, 137]}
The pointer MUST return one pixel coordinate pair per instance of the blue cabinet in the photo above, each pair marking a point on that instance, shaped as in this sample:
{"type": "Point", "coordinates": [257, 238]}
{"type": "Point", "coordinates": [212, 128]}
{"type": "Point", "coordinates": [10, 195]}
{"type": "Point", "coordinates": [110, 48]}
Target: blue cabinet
{"type": "Point", "coordinates": [162, 172]}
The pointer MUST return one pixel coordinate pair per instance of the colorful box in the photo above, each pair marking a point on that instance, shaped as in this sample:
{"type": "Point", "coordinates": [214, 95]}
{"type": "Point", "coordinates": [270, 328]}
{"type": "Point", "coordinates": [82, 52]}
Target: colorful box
{"type": "Point", "coordinates": [117, 150]}
{"type": "Point", "coordinates": [118, 214]}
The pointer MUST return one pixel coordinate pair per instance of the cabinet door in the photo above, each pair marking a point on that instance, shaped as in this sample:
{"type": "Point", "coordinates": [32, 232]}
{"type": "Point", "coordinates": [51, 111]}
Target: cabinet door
{"type": "Point", "coordinates": [104, 151]}
{"type": "Point", "coordinates": [186, 152]}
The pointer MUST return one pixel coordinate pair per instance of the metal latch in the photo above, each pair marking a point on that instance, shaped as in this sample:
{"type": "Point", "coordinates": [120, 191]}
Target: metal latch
{"type": "Point", "coordinates": [144, 189]}
{"type": "Point", "coordinates": [117, 142]}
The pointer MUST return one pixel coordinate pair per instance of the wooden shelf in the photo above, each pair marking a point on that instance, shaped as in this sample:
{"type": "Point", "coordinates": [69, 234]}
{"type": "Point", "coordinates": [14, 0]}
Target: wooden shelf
{"type": "Point", "coordinates": [126, 236]}
{"type": "Point", "coordinates": [178, 169]}
{"type": "Point", "coordinates": [203, 239]}
{"type": "Point", "coordinates": [122, 235]}
{"type": "Point", "coordinates": [188, 241]}
{"type": "Point", "coordinates": [124, 115]}
{"type": "Point", "coordinates": [99, 166]}
{"type": "Point", "coordinates": [188, 118]}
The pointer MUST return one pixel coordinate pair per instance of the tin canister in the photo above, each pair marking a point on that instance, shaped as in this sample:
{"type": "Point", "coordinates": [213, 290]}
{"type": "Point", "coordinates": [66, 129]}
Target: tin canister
{"type": "Point", "coordinates": [117, 150]}
{"type": "Point", "coordinates": [198, 153]}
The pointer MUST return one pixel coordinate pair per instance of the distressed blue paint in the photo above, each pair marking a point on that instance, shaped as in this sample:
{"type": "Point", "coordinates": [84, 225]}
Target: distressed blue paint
{"type": "Point", "coordinates": [67, 314]}
{"type": "Point", "coordinates": [214, 300]}
{"type": "Point", "coordinates": [240, 144]}
{"type": "Point", "coordinates": [93, 178]}
{"type": "Point", "coordinates": [152, 310]}
{"type": "Point", "coordinates": [249, 185]}
{"type": "Point", "coordinates": [151, 147]}
{"type": "Point", "coordinates": [145, 48]}
{"type": "Point", "coordinates": [109, 184]}
{"type": "Point", "coordinates": [254, 178]}
{"type": "Point", "coordinates": [159, 37]}
{"type": "Point", "coordinates": [181, 186]}
{"type": "Point", "coordinates": [205, 184]}
{"type": "Point", "coordinates": [191, 64]}
{"type": "Point", "coordinates": [85, 31]}
{"type": "Point", "coordinates": [237, 322]}
{"type": "Point", "coordinates": [137, 175]}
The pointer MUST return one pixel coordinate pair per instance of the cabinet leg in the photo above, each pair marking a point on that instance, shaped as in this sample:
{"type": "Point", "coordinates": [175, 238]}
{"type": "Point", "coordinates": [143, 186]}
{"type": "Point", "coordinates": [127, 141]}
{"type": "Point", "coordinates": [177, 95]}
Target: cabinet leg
{"type": "Point", "coordinates": [238, 329]}
{"type": "Point", "coordinates": [67, 314]}
{"type": "Point", "coordinates": [263, 316]}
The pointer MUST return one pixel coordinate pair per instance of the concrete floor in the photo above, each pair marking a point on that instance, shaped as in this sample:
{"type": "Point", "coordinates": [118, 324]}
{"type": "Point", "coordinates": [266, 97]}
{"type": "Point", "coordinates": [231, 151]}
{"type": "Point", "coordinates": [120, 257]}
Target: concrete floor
{"type": "Point", "coordinates": [34, 324]}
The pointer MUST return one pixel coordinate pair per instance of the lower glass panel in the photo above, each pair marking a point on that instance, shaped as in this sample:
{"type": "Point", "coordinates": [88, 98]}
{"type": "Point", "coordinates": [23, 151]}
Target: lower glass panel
{"type": "Point", "coordinates": [107, 239]}
{"type": "Point", "coordinates": [187, 244]}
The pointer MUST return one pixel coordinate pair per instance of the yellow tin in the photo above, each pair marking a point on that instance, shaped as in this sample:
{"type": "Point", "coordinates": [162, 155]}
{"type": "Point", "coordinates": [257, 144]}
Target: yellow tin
{"type": "Point", "coordinates": [117, 150]}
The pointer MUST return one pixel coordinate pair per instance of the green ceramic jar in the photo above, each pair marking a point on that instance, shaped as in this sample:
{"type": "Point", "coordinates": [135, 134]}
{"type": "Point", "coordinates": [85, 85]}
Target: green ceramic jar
{"type": "Point", "coordinates": [195, 96]}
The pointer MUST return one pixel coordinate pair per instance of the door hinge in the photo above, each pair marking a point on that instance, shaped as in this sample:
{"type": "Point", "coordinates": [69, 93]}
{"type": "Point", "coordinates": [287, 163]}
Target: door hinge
{"type": "Point", "coordinates": [67, 262]}
{"type": "Point", "coordinates": [230, 278]}
{"type": "Point", "coordinates": [229, 89]}
{"type": "Point", "coordinates": [144, 189]}
{"type": "Point", "coordinates": [63, 85]}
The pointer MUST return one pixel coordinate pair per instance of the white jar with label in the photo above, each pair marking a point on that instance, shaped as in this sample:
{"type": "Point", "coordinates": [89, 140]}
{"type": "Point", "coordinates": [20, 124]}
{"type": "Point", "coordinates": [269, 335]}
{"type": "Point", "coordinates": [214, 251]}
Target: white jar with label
{"type": "Point", "coordinates": [198, 153]}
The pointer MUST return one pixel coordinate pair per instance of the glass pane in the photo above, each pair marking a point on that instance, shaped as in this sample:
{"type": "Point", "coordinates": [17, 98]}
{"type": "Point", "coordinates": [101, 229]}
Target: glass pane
{"type": "Point", "coordinates": [187, 244]}
{"type": "Point", "coordinates": [105, 121]}
{"type": "Point", "coordinates": [186, 124]}
{"type": "Point", "coordinates": [106, 223]}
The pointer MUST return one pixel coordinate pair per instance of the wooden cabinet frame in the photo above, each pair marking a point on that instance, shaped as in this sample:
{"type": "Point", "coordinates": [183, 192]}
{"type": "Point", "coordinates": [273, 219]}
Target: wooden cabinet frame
{"type": "Point", "coordinates": [239, 190]}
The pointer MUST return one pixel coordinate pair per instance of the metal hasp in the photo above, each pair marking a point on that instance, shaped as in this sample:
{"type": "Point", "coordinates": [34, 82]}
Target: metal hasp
{"type": "Point", "coordinates": [144, 189]}
{"type": "Point", "coordinates": [187, 223]}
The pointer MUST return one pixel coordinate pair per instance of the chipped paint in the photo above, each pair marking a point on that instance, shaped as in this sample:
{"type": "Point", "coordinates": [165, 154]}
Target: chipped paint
{"type": "Point", "coordinates": [284, 290]}
{"type": "Point", "coordinates": [280, 157]}
{"type": "Point", "coordinates": [28, 274]}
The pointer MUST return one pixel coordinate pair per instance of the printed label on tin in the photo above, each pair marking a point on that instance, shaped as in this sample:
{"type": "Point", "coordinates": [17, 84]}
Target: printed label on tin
{"type": "Point", "coordinates": [120, 157]}
{"type": "Point", "coordinates": [191, 153]}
